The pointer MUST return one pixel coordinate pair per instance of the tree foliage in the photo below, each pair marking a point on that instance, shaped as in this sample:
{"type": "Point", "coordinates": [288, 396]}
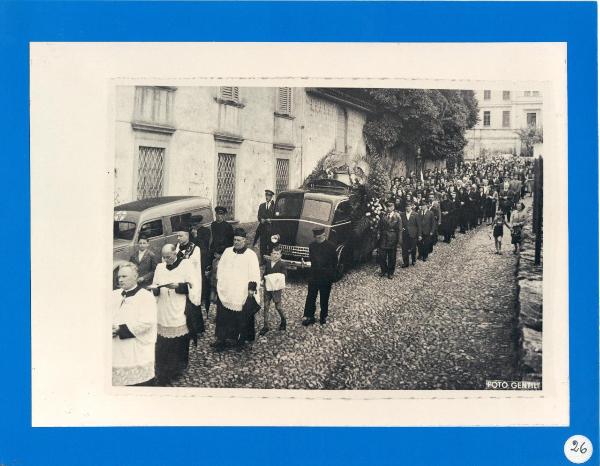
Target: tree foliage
{"type": "Point", "coordinates": [431, 120]}
{"type": "Point", "coordinates": [529, 137]}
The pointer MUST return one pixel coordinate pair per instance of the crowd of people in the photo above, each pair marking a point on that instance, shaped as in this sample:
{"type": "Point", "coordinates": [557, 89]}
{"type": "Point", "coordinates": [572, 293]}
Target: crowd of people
{"type": "Point", "coordinates": [158, 307]}
{"type": "Point", "coordinates": [439, 204]}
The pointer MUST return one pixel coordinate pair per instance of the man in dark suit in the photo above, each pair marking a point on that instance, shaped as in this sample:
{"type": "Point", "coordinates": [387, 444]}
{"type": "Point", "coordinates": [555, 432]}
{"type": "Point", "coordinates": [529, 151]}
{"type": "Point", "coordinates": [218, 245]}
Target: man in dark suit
{"type": "Point", "coordinates": [427, 219]}
{"type": "Point", "coordinates": [146, 262]}
{"type": "Point", "coordinates": [266, 211]}
{"type": "Point", "coordinates": [437, 213]}
{"type": "Point", "coordinates": [389, 237]}
{"type": "Point", "coordinates": [447, 210]}
{"type": "Point", "coordinates": [463, 202]}
{"type": "Point", "coordinates": [411, 234]}
{"type": "Point", "coordinates": [323, 260]}
{"type": "Point", "coordinates": [221, 233]}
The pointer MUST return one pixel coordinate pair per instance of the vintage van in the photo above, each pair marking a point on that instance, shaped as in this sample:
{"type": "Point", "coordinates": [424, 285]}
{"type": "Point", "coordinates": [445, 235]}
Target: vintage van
{"type": "Point", "coordinates": [324, 203]}
{"type": "Point", "coordinates": [158, 219]}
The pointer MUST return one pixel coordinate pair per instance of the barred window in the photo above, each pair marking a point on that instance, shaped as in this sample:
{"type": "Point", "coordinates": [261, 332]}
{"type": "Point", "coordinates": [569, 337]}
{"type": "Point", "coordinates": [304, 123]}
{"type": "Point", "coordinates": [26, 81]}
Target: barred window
{"type": "Point", "coordinates": [230, 94]}
{"type": "Point", "coordinates": [151, 163]}
{"type": "Point", "coordinates": [487, 95]}
{"type": "Point", "coordinates": [282, 175]}
{"type": "Point", "coordinates": [284, 100]}
{"type": "Point", "coordinates": [226, 183]}
{"type": "Point", "coordinates": [505, 95]}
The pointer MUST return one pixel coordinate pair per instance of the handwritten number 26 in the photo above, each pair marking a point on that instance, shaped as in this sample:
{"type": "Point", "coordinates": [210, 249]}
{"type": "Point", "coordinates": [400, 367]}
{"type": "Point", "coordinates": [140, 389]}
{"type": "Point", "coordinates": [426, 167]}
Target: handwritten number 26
{"type": "Point", "coordinates": [579, 448]}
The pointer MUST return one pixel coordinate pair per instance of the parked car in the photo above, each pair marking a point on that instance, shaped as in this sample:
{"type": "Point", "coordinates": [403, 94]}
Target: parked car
{"type": "Point", "coordinates": [325, 203]}
{"type": "Point", "coordinates": [158, 219]}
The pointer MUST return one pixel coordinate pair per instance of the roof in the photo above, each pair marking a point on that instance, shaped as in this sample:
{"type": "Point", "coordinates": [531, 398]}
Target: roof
{"type": "Point", "coordinates": [144, 204]}
{"type": "Point", "coordinates": [354, 98]}
{"type": "Point", "coordinates": [324, 196]}
{"type": "Point", "coordinates": [324, 190]}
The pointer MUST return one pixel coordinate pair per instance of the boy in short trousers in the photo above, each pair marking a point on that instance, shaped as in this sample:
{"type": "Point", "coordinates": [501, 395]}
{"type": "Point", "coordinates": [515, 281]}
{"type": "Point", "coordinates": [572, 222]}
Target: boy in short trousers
{"type": "Point", "coordinates": [274, 283]}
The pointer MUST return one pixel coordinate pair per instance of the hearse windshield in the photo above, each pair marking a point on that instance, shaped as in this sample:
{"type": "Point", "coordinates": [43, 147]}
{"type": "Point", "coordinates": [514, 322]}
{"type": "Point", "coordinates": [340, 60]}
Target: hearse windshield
{"type": "Point", "coordinates": [316, 210]}
{"type": "Point", "coordinates": [123, 230]}
{"type": "Point", "coordinates": [289, 205]}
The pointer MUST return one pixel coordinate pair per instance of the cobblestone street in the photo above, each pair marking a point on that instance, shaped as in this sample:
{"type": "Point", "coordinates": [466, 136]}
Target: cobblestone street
{"type": "Point", "coordinates": [447, 323]}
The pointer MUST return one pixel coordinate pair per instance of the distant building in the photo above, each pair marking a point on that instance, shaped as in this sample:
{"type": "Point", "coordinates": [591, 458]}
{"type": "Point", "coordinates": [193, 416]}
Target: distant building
{"type": "Point", "coordinates": [501, 113]}
{"type": "Point", "coordinates": [229, 143]}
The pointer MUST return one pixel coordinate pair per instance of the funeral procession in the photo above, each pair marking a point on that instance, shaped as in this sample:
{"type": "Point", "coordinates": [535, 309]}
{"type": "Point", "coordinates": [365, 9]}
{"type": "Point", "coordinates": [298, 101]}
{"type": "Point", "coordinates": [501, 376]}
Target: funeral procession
{"type": "Point", "coordinates": [327, 238]}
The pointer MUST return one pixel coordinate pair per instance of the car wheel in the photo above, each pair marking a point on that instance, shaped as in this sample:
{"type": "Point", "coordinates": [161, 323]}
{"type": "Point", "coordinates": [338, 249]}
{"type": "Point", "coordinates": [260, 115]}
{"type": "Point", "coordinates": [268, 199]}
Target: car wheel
{"type": "Point", "coordinates": [342, 264]}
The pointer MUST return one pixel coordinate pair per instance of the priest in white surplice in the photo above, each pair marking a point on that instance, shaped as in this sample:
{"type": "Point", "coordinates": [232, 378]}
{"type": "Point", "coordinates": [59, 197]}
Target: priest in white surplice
{"type": "Point", "coordinates": [133, 330]}
{"type": "Point", "coordinates": [177, 286]}
{"type": "Point", "coordinates": [186, 249]}
{"type": "Point", "coordinates": [237, 278]}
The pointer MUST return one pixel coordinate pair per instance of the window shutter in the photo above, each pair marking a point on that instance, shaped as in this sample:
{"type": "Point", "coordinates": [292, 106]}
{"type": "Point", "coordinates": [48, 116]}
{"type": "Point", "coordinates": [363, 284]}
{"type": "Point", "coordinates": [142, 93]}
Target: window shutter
{"type": "Point", "coordinates": [229, 93]}
{"type": "Point", "coordinates": [284, 100]}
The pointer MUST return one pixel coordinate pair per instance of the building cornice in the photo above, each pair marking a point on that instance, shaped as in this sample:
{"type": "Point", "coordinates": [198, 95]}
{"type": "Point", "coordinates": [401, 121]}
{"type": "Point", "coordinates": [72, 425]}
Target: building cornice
{"type": "Point", "coordinates": [232, 103]}
{"type": "Point", "coordinates": [284, 116]}
{"type": "Point", "coordinates": [341, 97]}
{"type": "Point", "coordinates": [283, 146]}
{"type": "Point", "coordinates": [152, 127]}
{"type": "Point", "coordinates": [226, 137]}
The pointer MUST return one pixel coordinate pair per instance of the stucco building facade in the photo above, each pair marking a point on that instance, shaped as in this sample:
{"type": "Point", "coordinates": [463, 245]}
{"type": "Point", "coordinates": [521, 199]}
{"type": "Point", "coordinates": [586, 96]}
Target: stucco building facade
{"type": "Point", "coordinates": [501, 113]}
{"type": "Point", "coordinates": [229, 143]}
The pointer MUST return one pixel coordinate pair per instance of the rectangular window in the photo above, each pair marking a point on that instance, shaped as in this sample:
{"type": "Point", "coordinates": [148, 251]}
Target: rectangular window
{"type": "Point", "coordinates": [154, 104]}
{"type": "Point", "coordinates": [527, 93]}
{"type": "Point", "coordinates": [505, 95]}
{"type": "Point", "coordinates": [152, 229]}
{"type": "Point", "coordinates": [230, 94]}
{"type": "Point", "coordinates": [505, 119]}
{"type": "Point", "coordinates": [151, 165]}
{"type": "Point", "coordinates": [284, 100]}
{"type": "Point", "coordinates": [486, 118]}
{"type": "Point", "coordinates": [282, 175]}
{"type": "Point", "coordinates": [226, 183]}
{"type": "Point", "coordinates": [289, 205]}
{"type": "Point", "coordinates": [487, 95]}
{"type": "Point", "coordinates": [181, 222]}
{"type": "Point", "coordinates": [531, 119]}
{"type": "Point", "coordinates": [535, 93]}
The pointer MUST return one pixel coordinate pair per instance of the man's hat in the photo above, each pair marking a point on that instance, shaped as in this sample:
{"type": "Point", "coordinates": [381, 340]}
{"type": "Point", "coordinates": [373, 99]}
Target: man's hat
{"type": "Point", "coordinates": [318, 231]}
{"type": "Point", "coordinates": [390, 201]}
{"type": "Point", "coordinates": [268, 191]}
{"type": "Point", "coordinates": [239, 232]}
{"type": "Point", "coordinates": [220, 210]}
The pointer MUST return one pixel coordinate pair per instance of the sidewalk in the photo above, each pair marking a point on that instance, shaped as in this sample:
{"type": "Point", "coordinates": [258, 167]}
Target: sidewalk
{"type": "Point", "coordinates": [529, 303]}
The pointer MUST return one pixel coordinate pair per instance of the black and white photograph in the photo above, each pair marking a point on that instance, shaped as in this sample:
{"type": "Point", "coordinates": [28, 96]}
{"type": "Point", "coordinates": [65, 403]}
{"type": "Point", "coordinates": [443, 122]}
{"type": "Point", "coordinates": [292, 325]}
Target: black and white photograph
{"type": "Point", "coordinates": [328, 238]}
{"type": "Point", "coordinates": [300, 234]}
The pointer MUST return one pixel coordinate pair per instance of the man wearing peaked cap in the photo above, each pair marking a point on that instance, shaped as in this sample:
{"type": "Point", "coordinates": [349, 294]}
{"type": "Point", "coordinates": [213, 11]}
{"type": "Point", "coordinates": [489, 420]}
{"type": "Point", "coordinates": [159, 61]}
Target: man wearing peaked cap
{"type": "Point", "coordinates": [266, 211]}
{"type": "Point", "coordinates": [323, 260]}
{"type": "Point", "coordinates": [221, 232]}
{"type": "Point", "coordinates": [389, 229]}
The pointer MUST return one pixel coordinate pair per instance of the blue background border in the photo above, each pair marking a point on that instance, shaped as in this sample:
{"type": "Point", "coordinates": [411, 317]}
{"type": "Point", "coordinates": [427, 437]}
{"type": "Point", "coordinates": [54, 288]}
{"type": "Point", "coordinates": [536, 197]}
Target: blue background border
{"type": "Point", "coordinates": [574, 23]}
